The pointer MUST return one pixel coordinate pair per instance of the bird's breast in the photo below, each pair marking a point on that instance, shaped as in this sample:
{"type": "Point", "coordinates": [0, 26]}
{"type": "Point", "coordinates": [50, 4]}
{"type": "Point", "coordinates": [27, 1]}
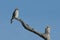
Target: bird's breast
{"type": "Point", "coordinates": [16, 14]}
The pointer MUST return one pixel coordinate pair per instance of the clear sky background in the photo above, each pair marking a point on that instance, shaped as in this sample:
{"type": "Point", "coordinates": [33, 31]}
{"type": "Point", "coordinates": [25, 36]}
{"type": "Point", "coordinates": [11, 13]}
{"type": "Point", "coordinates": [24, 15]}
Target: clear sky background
{"type": "Point", "coordinates": [37, 13]}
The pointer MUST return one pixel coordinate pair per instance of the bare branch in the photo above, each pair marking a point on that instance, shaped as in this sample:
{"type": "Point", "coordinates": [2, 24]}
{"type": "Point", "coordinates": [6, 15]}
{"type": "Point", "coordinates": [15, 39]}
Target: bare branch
{"type": "Point", "coordinates": [27, 27]}
{"type": "Point", "coordinates": [45, 36]}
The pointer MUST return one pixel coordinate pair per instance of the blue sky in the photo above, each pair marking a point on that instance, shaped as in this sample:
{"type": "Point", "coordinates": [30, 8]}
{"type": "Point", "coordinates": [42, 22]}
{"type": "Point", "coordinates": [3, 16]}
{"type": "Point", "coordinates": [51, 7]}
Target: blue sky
{"type": "Point", "coordinates": [37, 13]}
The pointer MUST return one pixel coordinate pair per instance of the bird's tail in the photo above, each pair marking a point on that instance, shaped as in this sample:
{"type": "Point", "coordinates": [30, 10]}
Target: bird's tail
{"type": "Point", "coordinates": [11, 20]}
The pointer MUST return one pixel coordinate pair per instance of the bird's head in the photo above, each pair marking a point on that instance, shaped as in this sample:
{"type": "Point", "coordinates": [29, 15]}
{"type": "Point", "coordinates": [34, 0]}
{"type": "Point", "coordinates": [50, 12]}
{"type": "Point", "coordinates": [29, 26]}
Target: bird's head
{"type": "Point", "coordinates": [16, 9]}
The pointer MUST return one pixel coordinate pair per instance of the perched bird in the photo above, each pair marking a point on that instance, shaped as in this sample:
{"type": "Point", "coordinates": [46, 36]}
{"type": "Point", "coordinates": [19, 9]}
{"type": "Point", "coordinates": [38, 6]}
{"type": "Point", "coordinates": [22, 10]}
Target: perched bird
{"type": "Point", "coordinates": [15, 14]}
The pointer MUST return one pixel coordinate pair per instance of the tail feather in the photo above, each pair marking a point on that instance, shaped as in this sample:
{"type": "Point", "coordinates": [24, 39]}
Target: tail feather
{"type": "Point", "coordinates": [11, 20]}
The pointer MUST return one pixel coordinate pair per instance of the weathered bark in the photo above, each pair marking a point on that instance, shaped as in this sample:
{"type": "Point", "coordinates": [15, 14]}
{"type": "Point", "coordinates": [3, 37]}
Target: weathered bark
{"type": "Point", "coordinates": [45, 36]}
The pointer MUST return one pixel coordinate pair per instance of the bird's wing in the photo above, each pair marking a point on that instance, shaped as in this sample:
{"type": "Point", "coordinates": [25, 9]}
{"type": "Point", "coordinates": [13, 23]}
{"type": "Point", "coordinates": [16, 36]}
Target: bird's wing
{"type": "Point", "coordinates": [13, 16]}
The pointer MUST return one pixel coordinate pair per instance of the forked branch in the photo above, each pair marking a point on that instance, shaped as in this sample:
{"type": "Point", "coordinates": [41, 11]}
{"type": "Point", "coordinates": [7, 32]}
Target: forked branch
{"type": "Point", "coordinates": [45, 36]}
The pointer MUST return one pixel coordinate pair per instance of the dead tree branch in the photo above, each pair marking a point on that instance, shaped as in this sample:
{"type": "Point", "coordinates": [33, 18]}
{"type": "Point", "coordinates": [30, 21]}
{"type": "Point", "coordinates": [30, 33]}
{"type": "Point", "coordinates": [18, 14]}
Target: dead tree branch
{"type": "Point", "coordinates": [45, 36]}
